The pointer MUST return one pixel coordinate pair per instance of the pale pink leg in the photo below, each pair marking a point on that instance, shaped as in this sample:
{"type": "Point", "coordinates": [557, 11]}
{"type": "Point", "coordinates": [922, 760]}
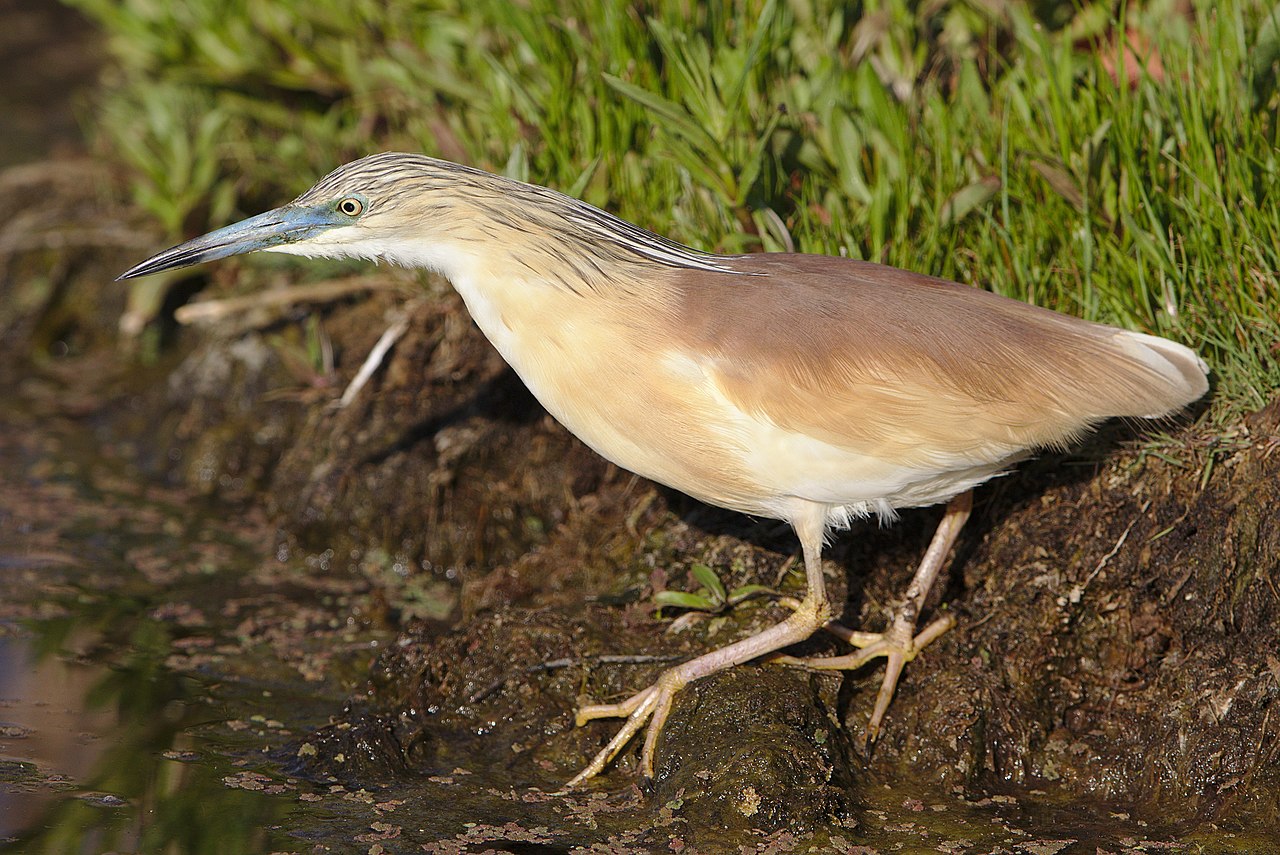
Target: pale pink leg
{"type": "Point", "coordinates": [652, 705]}
{"type": "Point", "coordinates": [899, 644]}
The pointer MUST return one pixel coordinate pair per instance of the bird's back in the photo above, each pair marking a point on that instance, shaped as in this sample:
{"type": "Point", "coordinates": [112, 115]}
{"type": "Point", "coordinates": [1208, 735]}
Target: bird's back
{"type": "Point", "coordinates": [913, 368]}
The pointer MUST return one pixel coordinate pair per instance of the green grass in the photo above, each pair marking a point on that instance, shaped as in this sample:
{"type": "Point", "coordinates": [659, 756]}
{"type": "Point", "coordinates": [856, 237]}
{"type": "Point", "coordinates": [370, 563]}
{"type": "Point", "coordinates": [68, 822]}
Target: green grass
{"type": "Point", "coordinates": [970, 140]}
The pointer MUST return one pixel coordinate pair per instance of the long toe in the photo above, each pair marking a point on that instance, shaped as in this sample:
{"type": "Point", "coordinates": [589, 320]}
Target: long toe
{"type": "Point", "coordinates": [897, 645]}
{"type": "Point", "coordinates": [591, 712]}
{"type": "Point", "coordinates": [638, 709]}
{"type": "Point", "coordinates": [649, 706]}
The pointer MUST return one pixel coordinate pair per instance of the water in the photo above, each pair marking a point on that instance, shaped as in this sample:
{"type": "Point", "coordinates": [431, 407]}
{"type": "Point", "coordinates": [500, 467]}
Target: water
{"type": "Point", "coordinates": [47, 730]}
{"type": "Point", "coordinates": [98, 758]}
{"type": "Point", "coordinates": [106, 584]}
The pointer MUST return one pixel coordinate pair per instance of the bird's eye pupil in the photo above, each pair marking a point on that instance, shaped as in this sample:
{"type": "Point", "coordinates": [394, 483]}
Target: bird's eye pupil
{"type": "Point", "coordinates": [351, 207]}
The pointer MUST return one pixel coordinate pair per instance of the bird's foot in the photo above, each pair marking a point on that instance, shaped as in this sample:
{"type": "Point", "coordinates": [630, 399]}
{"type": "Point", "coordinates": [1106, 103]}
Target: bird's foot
{"type": "Point", "coordinates": [651, 705]}
{"type": "Point", "coordinates": [648, 709]}
{"type": "Point", "coordinates": [898, 645]}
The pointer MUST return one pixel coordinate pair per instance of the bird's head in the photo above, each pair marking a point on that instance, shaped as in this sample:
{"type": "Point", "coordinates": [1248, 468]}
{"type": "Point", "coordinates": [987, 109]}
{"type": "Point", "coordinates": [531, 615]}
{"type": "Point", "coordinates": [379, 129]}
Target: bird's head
{"type": "Point", "coordinates": [378, 207]}
{"type": "Point", "coordinates": [465, 223]}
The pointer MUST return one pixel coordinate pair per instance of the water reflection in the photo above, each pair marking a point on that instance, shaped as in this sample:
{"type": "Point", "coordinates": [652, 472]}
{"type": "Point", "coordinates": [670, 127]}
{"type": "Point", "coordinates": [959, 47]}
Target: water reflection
{"type": "Point", "coordinates": [129, 687]}
{"type": "Point", "coordinates": [45, 722]}
{"type": "Point", "coordinates": [115, 755]}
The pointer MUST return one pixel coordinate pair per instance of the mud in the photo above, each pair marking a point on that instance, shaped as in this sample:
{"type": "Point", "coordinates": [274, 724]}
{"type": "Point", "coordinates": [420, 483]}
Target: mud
{"type": "Point", "coordinates": [1115, 655]}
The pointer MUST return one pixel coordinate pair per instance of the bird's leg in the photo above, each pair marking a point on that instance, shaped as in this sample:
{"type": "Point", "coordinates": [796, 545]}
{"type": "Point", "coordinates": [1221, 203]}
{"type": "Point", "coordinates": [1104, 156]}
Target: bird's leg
{"type": "Point", "coordinates": [651, 706]}
{"type": "Point", "coordinates": [900, 643]}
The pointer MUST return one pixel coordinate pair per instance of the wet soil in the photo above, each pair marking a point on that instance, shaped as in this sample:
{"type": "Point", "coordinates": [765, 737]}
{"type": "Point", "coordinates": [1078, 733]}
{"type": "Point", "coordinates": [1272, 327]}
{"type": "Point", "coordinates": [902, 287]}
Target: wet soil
{"type": "Point", "coordinates": [413, 592]}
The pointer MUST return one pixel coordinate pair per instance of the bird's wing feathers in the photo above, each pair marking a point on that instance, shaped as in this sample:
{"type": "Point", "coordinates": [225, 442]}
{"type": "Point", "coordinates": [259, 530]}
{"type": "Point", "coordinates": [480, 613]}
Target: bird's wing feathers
{"type": "Point", "coordinates": [906, 367]}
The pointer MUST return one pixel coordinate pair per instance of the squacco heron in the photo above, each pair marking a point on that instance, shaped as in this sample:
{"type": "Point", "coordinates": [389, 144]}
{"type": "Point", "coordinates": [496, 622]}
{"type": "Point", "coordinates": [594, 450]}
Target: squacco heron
{"type": "Point", "coordinates": [806, 388]}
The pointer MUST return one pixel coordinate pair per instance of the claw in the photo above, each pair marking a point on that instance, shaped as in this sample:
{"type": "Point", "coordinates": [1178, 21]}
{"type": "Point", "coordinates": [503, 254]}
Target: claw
{"type": "Point", "coordinates": [896, 645]}
{"type": "Point", "coordinates": [637, 709]}
{"type": "Point", "coordinates": [648, 709]}
{"type": "Point", "coordinates": [651, 705]}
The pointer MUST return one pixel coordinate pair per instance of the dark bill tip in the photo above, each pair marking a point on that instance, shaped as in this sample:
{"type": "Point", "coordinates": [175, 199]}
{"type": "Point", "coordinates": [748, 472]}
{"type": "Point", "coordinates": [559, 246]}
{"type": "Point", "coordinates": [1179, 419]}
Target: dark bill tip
{"type": "Point", "coordinates": [274, 228]}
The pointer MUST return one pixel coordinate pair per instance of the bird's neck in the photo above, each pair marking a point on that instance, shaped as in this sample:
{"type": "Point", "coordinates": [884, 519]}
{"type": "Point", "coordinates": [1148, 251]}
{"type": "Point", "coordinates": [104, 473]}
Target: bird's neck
{"type": "Point", "coordinates": [545, 238]}
{"type": "Point", "coordinates": [539, 310]}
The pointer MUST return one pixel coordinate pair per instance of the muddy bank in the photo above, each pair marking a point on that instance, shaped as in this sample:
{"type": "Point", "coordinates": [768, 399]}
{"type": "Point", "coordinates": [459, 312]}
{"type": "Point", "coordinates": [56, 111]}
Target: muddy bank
{"type": "Point", "coordinates": [1116, 646]}
{"type": "Point", "coordinates": [1116, 639]}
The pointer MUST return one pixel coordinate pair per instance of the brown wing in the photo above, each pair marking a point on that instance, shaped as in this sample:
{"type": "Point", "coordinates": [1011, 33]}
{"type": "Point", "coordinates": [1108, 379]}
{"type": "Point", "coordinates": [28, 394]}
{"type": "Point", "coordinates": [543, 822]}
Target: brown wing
{"type": "Point", "coordinates": [909, 367]}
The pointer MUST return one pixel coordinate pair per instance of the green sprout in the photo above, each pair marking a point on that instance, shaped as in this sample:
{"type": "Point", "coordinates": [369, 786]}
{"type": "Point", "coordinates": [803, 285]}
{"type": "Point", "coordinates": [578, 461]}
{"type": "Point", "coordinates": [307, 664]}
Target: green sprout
{"type": "Point", "coordinates": [712, 597]}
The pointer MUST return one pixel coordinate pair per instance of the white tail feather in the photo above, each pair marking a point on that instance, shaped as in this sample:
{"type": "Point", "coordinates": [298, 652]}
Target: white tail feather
{"type": "Point", "coordinates": [1185, 372]}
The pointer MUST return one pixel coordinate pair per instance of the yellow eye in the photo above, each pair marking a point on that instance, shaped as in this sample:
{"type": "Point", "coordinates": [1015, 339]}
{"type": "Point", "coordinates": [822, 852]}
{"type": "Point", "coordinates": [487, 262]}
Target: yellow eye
{"type": "Point", "coordinates": [351, 207]}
